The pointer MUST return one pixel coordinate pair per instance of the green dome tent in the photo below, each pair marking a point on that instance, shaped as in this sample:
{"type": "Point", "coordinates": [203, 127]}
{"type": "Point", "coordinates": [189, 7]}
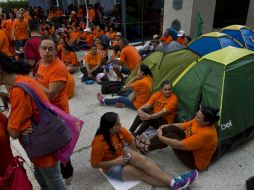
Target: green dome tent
{"type": "Point", "coordinates": [222, 79]}
{"type": "Point", "coordinates": [167, 66]}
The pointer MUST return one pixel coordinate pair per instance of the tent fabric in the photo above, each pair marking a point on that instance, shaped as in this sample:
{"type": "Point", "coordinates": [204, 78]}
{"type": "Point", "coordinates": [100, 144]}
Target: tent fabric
{"type": "Point", "coordinates": [212, 41]}
{"type": "Point", "coordinates": [166, 66]}
{"type": "Point", "coordinates": [172, 46]}
{"type": "Point", "coordinates": [241, 33]}
{"type": "Point", "coordinates": [225, 85]}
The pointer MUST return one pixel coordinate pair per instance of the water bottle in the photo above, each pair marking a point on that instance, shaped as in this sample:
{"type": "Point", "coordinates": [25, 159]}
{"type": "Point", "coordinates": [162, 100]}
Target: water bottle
{"type": "Point", "coordinates": [127, 155]}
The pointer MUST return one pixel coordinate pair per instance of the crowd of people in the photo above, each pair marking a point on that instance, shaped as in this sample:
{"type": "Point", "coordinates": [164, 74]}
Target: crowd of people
{"type": "Point", "coordinates": [40, 51]}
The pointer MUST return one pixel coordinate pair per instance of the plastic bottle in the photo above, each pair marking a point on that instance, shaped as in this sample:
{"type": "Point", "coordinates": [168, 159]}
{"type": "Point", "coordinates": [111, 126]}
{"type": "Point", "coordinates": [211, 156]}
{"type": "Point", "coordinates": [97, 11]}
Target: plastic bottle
{"type": "Point", "coordinates": [127, 155]}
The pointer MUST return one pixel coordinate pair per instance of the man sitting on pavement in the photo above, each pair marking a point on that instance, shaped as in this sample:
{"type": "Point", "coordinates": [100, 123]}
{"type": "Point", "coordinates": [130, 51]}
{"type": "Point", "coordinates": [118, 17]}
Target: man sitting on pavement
{"type": "Point", "coordinates": [129, 59]}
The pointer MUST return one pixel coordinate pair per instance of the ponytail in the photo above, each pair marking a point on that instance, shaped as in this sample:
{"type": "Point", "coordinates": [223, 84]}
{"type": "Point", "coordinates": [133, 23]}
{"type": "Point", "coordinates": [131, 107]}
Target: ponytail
{"type": "Point", "coordinates": [211, 115]}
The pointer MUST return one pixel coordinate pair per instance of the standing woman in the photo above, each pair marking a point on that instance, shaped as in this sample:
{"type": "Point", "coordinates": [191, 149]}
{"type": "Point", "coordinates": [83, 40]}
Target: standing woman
{"type": "Point", "coordinates": [52, 76]}
{"type": "Point", "coordinates": [160, 109]}
{"type": "Point", "coordinates": [46, 168]}
{"type": "Point", "coordinates": [109, 152]}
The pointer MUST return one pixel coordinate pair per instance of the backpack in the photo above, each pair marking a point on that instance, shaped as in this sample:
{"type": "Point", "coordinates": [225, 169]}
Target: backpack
{"type": "Point", "coordinates": [111, 87]}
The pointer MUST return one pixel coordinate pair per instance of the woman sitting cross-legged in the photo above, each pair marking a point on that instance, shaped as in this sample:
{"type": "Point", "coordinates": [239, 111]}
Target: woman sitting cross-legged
{"type": "Point", "coordinates": [109, 152]}
{"type": "Point", "coordinates": [140, 87]}
{"type": "Point", "coordinates": [92, 62]}
{"type": "Point", "coordinates": [159, 110]}
{"type": "Point", "coordinates": [194, 142]}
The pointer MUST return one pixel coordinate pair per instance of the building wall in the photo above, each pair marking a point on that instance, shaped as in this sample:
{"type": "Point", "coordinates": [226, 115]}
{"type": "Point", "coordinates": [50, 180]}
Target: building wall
{"type": "Point", "coordinates": [206, 9]}
{"type": "Point", "coordinates": [250, 17]}
{"type": "Point", "coordinates": [184, 15]}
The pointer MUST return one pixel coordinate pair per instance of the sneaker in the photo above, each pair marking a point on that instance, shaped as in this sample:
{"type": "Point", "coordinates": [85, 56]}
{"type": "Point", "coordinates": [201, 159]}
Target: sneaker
{"type": "Point", "coordinates": [193, 175]}
{"type": "Point", "coordinates": [79, 77]}
{"type": "Point", "coordinates": [179, 184]}
{"type": "Point", "coordinates": [100, 98]}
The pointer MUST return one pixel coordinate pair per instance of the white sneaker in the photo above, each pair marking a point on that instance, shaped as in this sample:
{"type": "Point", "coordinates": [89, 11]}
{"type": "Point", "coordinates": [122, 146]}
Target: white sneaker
{"type": "Point", "coordinates": [79, 77]}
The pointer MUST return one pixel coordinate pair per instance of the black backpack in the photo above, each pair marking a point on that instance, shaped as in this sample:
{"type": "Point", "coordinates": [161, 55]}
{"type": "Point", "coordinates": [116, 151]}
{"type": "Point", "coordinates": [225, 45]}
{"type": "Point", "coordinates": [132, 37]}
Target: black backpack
{"type": "Point", "coordinates": [111, 87]}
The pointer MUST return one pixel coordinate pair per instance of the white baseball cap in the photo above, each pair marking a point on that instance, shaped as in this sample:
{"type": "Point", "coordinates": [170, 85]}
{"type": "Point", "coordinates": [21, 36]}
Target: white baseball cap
{"type": "Point", "coordinates": [87, 30]}
{"type": "Point", "coordinates": [118, 33]}
{"type": "Point", "coordinates": [155, 36]}
{"type": "Point", "coordinates": [181, 33]}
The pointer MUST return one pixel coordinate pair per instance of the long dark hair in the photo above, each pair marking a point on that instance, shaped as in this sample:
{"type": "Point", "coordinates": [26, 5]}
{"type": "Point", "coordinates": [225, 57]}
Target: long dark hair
{"type": "Point", "coordinates": [146, 70]}
{"type": "Point", "coordinates": [108, 120]}
{"type": "Point", "coordinates": [9, 66]}
{"type": "Point", "coordinates": [211, 115]}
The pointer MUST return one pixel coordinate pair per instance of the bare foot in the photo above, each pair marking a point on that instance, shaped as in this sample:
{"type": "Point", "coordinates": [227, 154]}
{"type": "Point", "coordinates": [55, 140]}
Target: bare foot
{"type": "Point", "coordinates": [68, 180]}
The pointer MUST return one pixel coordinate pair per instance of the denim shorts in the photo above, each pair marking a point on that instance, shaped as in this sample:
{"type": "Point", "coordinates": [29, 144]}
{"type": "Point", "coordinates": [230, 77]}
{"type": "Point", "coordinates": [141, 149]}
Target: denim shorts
{"type": "Point", "coordinates": [116, 172]}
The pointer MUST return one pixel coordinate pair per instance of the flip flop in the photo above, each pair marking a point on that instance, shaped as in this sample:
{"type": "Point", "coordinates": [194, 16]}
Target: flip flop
{"type": "Point", "coordinates": [141, 145]}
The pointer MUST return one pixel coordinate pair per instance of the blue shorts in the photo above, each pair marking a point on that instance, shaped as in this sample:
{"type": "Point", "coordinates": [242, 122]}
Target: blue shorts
{"type": "Point", "coordinates": [116, 172]}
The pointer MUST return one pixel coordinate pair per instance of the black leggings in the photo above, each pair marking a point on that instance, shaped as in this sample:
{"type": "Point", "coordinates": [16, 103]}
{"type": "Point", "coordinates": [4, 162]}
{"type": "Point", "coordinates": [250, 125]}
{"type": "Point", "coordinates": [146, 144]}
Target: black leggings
{"type": "Point", "coordinates": [67, 171]}
{"type": "Point", "coordinates": [174, 132]}
{"type": "Point", "coordinates": [155, 123]}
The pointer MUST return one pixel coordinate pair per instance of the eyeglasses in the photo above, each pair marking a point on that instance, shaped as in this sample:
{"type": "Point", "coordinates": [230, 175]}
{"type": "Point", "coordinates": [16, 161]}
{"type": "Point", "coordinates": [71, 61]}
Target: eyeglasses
{"type": "Point", "coordinates": [45, 48]}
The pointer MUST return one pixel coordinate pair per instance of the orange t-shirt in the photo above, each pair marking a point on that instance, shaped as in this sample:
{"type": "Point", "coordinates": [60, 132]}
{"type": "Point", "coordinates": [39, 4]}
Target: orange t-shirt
{"type": "Point", "coordinates": [201, 140]}
{"type": "Point", "coordinates": [166, 39]}
{"type": "Point", "coordinates": [69, 58]}
{"type": "Point", "coordinates": [100, 149]}
{"type": "Point", "coordinates": [130, 57]}
{"type": "Point", "coordinates": [182, 41]}
{"type": "Point", "coordinates": [159, 102]}
{"type": "Point", "coordinates": [22, 109]}
{"type": "Point", "coordinates": [92, 61]}
{"type": "Point", "coordinates": [89, 39]}
{"type": "Point", "coordinates": [70, 86]}
{"type": "Point", "coordinates": [51, 73]}
{"type": "Point", "coordinates": [74, 36]}
{"type": "Point", "coordinates": [112, 35]}
{"type": "Point", "coordinates": [21, 29]}
{"type": "Point", "coordinates": [142, 89]}
{"type": "Point", "coordinates": [4, 43]}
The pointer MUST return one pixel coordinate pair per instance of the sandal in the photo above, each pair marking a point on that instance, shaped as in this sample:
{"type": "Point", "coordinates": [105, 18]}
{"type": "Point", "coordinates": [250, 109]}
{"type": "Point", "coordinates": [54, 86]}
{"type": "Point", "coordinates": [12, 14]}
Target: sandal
{"type": "Point", "coordinates": [141, 145]}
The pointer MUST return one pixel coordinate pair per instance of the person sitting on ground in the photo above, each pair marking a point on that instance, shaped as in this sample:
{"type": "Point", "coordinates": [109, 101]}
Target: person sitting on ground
{"type": "Point", "coordinates": [149, 46]}
{"type": "Point", "coordinates": [115, 38]}
{"type": "Point", "coordinates": [92, 62]}
{"type": "Point", "coordinates": [140, 86]}
{"type": "Point", "coordinates": [166, 38]}
{"type": "Point", "coordinates": [129, 59]}
{"type": "Point", "coordinates": [194, 142]}
{"type": "Point", "coordinates": [181, 38]}
{"type": "Point", "coordinates": [111, 153]}
{"type": "Point", "coordinates": [164, 104]}
{"type": "Point", "coordinates": [69, 58]}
